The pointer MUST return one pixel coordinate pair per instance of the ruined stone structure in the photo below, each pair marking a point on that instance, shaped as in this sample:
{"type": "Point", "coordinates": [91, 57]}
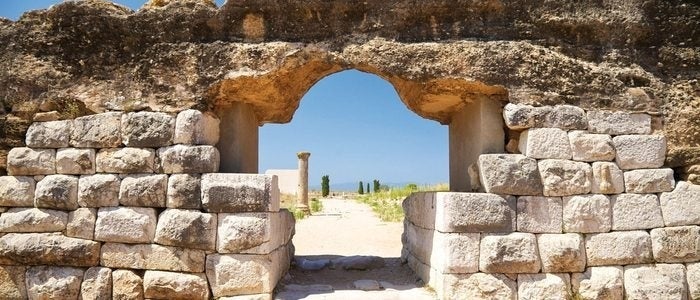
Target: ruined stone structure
{"type": "Point", "coordinates": [128, 142]}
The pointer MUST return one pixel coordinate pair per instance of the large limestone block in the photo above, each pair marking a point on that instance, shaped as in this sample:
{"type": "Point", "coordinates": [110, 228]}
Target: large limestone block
{"type": "Point", "coordinates": [54, 134]}
{"type": "Point", "coordinates": [147, 129]}
{"type": "Point", "coordinates": [607, 178]}
{"type": "Point", "coordinates": [676, 244]}
{"type": "Point", "coordinates": [640, 151]}
{"type": "Point", "coordinates": [562, 252]}
{"type": "Point", "coordinates": [184, 191]}
{"type": "Point", "coordinates": [126, 160]}
{"type": "Point", "coordinates": [28, 161]}
{"type": "Point", "coordinates": [564, 177]}
{"type": "Point", "coordinates": [591, 147]}
{"type": "Point", "coordinates": [193, 127]}
{"type": "Point", "coordinates": [598, 283]}
{"type": "Point", "coordinates": [81, 223]}
{"type": "Point", "coordinates": [97, 131]}
{"type": "Point", "coordinates": [444, 252]}
{"type": "Point", "coordinates": [649, 181]}
{"type": "Point", "coordinates": [188, 159]}
{"type": "Point", "coordinates": [618, 248]}
{"type": "Point", "coordinates": [681, 207]}
{"type": "Point", "coordinates": [75, 161]}
{"type": "Point", "coordinates": [636, 211]}
{"type": "Point", "coordinates": [126, 285]}
{"type": "Point", "coordinates": [510, 253]}
{"type": "Point", "coordinates": [187, 228]}
{"type": "Point", "coordinates": [659, 282]}
{"type": "Point", "coordinates": [510, 174]}
{"type": "Point", "coordinates": [152, 257]}
{"type": "Point", "coordinates": [693, 277]}
{"type": "Point", "coordinates": [48, 249]}
{"type": "Point", "coordinates": [566, 117]}
{"type": "Point", "coordinates": [538, 214]}
{"type": "Point", "coordinates": [12, 285]}
{"type": "Point", "coordinates": [618, 122]}
{"type": "Point", "coordinates": [520, 116]}
{"type": "Point", "coordinates": [545, 143]}
{"type": "Point", "coordinates": [48, 283]}
{"type": "Point", "coordinates": [169, 285]}
{"type": "Point", "coordinates": [478, 286]}
{"type": "Point", "coordinates": [474, 212]}
{"type": "Point", "coordinates": [544, 286]}
{"type": "Point", "coordinates": [240, 274]}
{"type": "Point", "coordinates": [587, 213]}
{"type": "Point", "coordinates": [143, 190]}
{"type": "Point", "coordinates": [232, 193]}
{"type": "Point", "coordinates": [33, 220]}
{"type": "Point", "coordinates": [99, 190]}
{"type": "Point", "coordinates": [252, 233]}
{"type": "Point", "coordinates": [57, 192]}
{"type": "Point", "coordinates": [125, 224]}
{"type": "Point", "coordinates": [97, 284]}
{"type": "Point", "coordinates": [17, 191]}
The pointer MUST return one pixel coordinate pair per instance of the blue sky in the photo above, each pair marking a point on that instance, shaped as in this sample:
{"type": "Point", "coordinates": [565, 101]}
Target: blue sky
{"type": "Point", "coordinates": [353, 123]}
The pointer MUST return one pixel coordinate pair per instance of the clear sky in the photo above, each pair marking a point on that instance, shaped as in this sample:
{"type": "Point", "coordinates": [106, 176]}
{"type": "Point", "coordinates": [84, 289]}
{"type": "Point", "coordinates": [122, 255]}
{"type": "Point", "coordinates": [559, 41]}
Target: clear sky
{"type": "Point", "coordinates": [353, 123]}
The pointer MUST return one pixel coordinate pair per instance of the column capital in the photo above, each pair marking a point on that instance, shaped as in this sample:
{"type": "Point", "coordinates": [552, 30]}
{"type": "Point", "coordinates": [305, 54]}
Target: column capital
{"type": "Point", "coordinates": [303, 155]}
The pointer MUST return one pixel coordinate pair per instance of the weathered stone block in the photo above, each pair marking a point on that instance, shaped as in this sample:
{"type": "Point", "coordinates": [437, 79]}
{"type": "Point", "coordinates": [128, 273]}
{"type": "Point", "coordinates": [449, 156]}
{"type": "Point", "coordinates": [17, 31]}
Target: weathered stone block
{"type": "Point", "coordinates": [649, 181]}
{"type": "Point", "coordinates": [510, 174]}
{"type": "Point", "coordinates": [587, 213]}
{"type": "Point", "coordinates": [640, 151]}
{"type": "Point", "coordinates": [169, 285]}
{"type": "Point", "coordinates": [152, 257]}
{"type": "Point", "coordinates": [187, 228]}
{"type": "Point", "coordinates": [636, 211]}
{"type": "Point", "coordinates": [125, 224]}
{"type": "Point", "coordinates": [12, 285]}
{"type": "Point", "coordinates": [147, 129]}
{"type": "Point", "coordinates": [33, 220]}
{"type": "Point", "coordinates": [591, 147]}
{"type": "Point", "coordinates": [607, 179]}
{"type": "Point", "coordinates": [618, 122]}
{"type": "Point", "coordinates": [478, 286]}
{"type": "Point", "coordinates": [252, 233]}
{"type": "Point", "coordinates": [544, 286]}
{"type": "Point", "coordinates": [681, 207]}
{"type": "Point", "coordinates": [54, 134]}
{"type": "Point", "coordinates": [566, 117]}
{"type": "Point", "coordinates": [28, 161]}
{"type": "Point", "coordinates": [598, 283]}
{"type": "Point", "coordinates": [75, 161]}
{"type": "Point", "coordinates": [564, 177]}
{"type": "Point", "coordinates": [193, 127]}
{"type": "Point", "coordinates": [97, 284]}
{"type": "Point", "coordinates": [97, 131]}
{"type": "Point", "coordinates": [99, 190]}
{"type": "Point", "coordinates": [17, 191]}
{"type": "Point", "coordinates": [511, 253]}
{"type": "Point", "coordinates": [455, 252]}
{"type": "Point", "coordinates": [545, 143]}
{"type": "Point", "coordinates": [44, 282]}
{"type": "Point", "coordinates": [693, 277]}
{"type": "Point", "coordinates": [474, 212]}
{"type": "Point", "coordinates": [519, 116]}
{"type": "Point", "coordinates": [618, 248]}
{"type": "Point", "coordinates": [184, 191]}
{"type": "Point", "coordinates": [538, 214]}
{"type": "Point", "coordinates": [660, 281]}
{"type": "Point", "coordinates": [81, 223]}
{"type": "Point", "coordinates": [57, 192]}
{"type": "Point", "coordinates": [126, 160]}
{"type": "Point", "coordinates": [126, 285]}
{"type": "Point", "coordinates": [48, 249]}
{"type": "Point", "coordinates": [189, 159]}
{"type": "Point", "coordinates": [239, 193]}
{"type": "Point", "coordinates": [240, 274]}
{"type": "Point", "coordinates": [143, 190]}
{"type": "Point", "coordinates": [676, 244]}
{"type": "Point", "coordinates": [562, 252]}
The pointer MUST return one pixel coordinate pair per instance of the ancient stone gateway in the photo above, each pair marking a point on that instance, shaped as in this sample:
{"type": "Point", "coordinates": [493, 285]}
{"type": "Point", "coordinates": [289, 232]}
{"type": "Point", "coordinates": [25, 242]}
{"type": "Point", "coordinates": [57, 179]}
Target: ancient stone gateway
{"type": "Point", "coordinates": [128, 143]}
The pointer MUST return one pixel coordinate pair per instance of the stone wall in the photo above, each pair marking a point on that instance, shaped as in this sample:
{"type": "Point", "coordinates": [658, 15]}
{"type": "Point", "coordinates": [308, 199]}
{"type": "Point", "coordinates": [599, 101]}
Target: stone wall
{"type": "Point", "coordinates": [129, 206]}
{"type": "Point", "coordinates": [580, 209]}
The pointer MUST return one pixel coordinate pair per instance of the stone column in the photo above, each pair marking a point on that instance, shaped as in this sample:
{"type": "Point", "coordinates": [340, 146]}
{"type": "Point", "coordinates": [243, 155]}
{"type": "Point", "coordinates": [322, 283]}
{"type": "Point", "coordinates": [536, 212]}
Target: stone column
{"type": "Point", "coordinates": [303, 185]}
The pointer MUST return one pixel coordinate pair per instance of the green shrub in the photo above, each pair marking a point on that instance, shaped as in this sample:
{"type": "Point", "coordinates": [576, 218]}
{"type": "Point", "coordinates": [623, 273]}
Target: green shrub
{"type": "Point", "coordinates": [315, 205]}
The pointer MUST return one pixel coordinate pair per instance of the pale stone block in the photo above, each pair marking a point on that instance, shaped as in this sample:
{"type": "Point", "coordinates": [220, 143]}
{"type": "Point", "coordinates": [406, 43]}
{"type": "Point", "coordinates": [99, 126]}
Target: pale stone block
{"type": "Point", "coordinates": [681, 207]}
{"type": "Point", "coordinates": [252, 233]}
{"type": "Point", "coordinates": [676, 244]}
{"type": "Point", "coordinates": [54, 134]}
{"type": "Point", "coordinates": [640, 151]}
{"type": "Point", "coordinates": [47, 249]}
{"type": "Point", "coordinates": [28, 161]}
{"type": "Point", "coordinates": [509, 174]}
{"type": "Point", "coordinates": [693, 277]}
{"type": "Point", "coordinates": [33, 220]}
{"type": "Point", "coordinates": [649, 181]}
{"type": "Point", "coordinates": [566, 117]}
{"type": "Point", "coordinates": [587, 213]}
{"type": "Point", "coordinates": [478, 286]}
{"type": "Point", "coordinates": [143, 190]}
{"type": "Point", "coordinates": [658, 282]}
{"type": "Point", "coordinates": [75, 161]}
{"type": "Point", "coordinates": [57, 192]}
{"type": "Point", "coordinates": [618, 122]}
{"type": "Point", "coordinates": [598, 283]}
{"type": "Point", "coordinates": [17, 191]}
{"type": "Point", "coordinates": [152, 257]}
{"type": "Point", "coordinates": [125, 224]}
{"type": "Point", "coordinates": [126, 285]}
{"type": "Point", "coordinates": [564, 177]}
{"type": "Point", "coordinates": [169, 285]}
{"type": "Point", "coordinates": [545, 143]}
{"type": "Point", "coordinates": [240, 274]}
{"type": "Point", "coordinates": [187, 228]}
{"type": "Point", "coordinates": [44, 282]}
{"type": "Point", "coordinates": [188, 159]}
{"type": "Point", "coordinates": [474, 212]}
{"type": "Point", "coordinates": [234, 193]}
{"type": "Point", "coordinates": [510, 253]}
{"type": "Point", "coordinates": [618, 248]}
{"type": "Point", "coordinates": [12, 285]}
{"type": "Point", "coordinates": [444, 252]}
{"type": "Point", "coordinates": [184, 191]}
{"type": "Point", "coordinates": [544, 286]}
{"type": "Point", "coordinates": [97, 131]}
{"type": "Point", "coordinates": [538, 214]}
{"type": "Point", "coordinates": [607, 179]}
{"type": "Point", "coordinates": [126, 160]}
{"type": "Point", "coordinates": [591, 147]}
{"type": "Point", "coordinates": [194, 127]}
{"type": "Point", "coordinates": [636, 211]}
{"type": "Point", "coordinates": [97, 284]}
{"type": "Point", "coordinates": [562, 252]}
{"type": "Point", "coordinates": [147, 129]}
{"type": "Point", "coordinates": [81, 223]}
{"type": "Point", "coordinates": [99, 190]}
{"type": "Point", "coordinates": [519, 116]}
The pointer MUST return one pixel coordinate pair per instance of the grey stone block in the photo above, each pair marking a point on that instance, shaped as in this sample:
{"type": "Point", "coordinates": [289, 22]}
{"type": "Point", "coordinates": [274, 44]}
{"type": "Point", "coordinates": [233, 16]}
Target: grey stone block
{"type": "Point", "coordinates": [28, 161]}
{"type": "Point", "coordinates": [564, 177]}
{"type": "Point", "coordinates": [188, 159]}
{"type": "Point", "coordinates": [239, 193]}
{"type": "Point", "coordinates": [54, 134]}
{"type": "Point", "coordinates": [640, 151]}
{"type": "Point", "coordinates": [618, 122]}
{"type": "Point", "coordinates": [57, 192]}
{"type": "Point", "coordinates": [97, 131]}
{"type": "Point", "coordinates": [147, 129]}
{"type": "Point", "coordinates": [509, 174]}
{"type": "Point", "coordinates": [510, 253]}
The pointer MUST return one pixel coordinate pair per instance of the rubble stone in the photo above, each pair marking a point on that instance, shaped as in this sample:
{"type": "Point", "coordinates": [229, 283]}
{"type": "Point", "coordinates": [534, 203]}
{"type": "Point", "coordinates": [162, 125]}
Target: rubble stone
{"type": "Point", "coordinates": [147, 129]}
{"type": "Point", "coordinates": [54, 134]}
{"type": "Point", "coordinates": [640, 151]}
{"type": "Point", "coordinates": [510, 174]}
{"type": "Point", "coordinates": [57, 192]}
{"type": "Point", "coordinates": [564, 177]}
{"type": "Point", "coordinates": [636, 211]}
{"type": "Point", "coordinates": [587, 213]}
{"type": "Point", "coordinates": [75, 161]}
{"type": "Point", "coordinates": [28, 161]}
{"type": "Point", "coordinates": [97, 131]}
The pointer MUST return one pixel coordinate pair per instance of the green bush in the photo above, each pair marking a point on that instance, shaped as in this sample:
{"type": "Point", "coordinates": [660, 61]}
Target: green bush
{"type": "Point", "coordinates": [325, 186]}
{"type": "Point", "coordinates": [315, 205]}
{"type": "Point", "coordinates": [387, 203]}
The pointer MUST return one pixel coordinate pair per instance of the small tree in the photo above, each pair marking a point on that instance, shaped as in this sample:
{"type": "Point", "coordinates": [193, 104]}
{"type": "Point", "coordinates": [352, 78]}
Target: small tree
{"type": "Point", "coordinates": [368, 190]}
{"type": "Point", "coordinates": [325, 185]}
{"type": "Point", "coordinates": [361, 189]}
{"type": "Point", "coordinates": [376, 186]}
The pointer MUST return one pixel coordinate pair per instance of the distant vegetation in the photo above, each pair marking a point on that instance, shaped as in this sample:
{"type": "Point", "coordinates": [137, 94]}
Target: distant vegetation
{"type": "Point", "coordinates": [289, 202]}
{"type": "Point", "coordinates": [325, 185]}
{"type": "Point", "coordinates": [386, 203]}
